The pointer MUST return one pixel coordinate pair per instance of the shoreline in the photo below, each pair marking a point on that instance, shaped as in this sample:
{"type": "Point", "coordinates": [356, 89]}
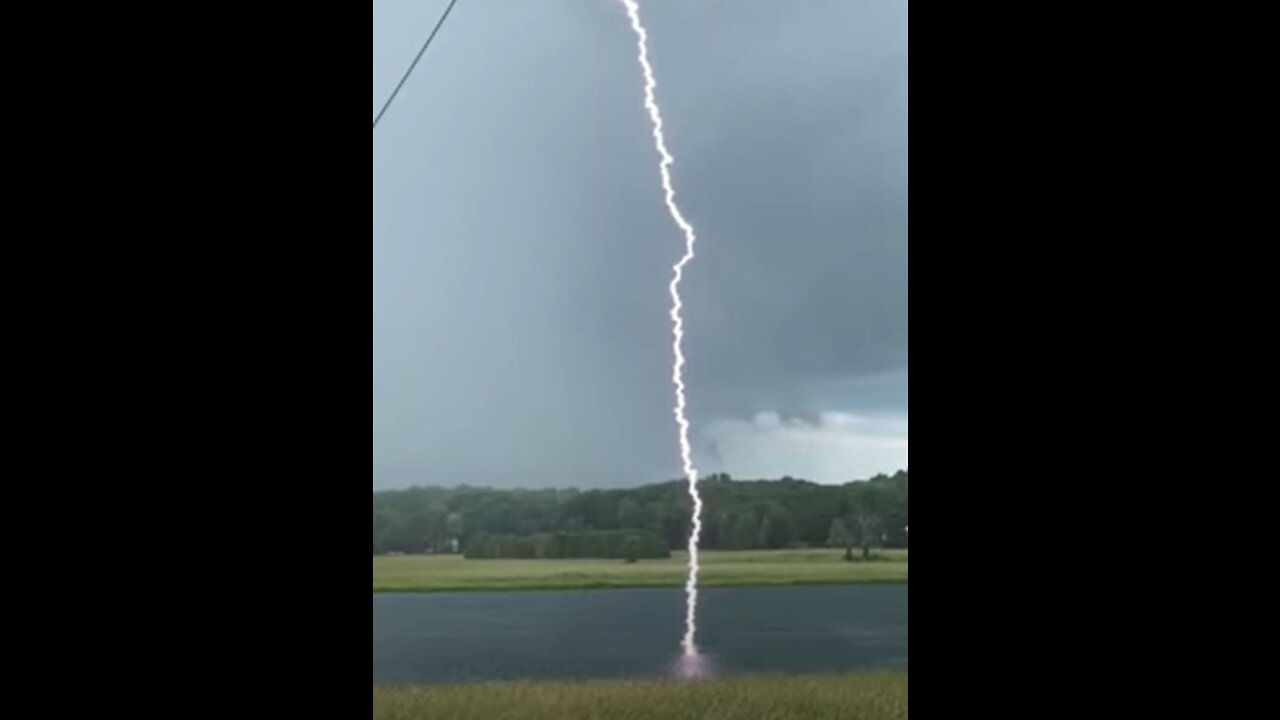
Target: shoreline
{"type": "Point", "coordinates": [433, 590]}
{"type": "Point", "coordinates": [720, 569]}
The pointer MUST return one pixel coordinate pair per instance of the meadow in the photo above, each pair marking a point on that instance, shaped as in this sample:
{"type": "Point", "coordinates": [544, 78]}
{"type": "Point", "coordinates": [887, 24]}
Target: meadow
{"type": "Point", "coordinates": [440, 573]}
{"type": "Point", "coordinates": [860, 696]}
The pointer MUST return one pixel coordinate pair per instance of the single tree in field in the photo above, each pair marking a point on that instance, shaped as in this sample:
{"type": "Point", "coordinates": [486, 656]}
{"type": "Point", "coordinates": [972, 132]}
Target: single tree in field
{"type": "Point", "coordinates": [839, 536]}
{"type": "Point", "coordinates": [867, 508]}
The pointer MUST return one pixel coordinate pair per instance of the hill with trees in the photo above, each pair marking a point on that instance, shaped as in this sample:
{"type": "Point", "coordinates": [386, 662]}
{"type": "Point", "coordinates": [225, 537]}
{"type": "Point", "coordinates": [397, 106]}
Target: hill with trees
{"type": "Point", "coordinates": [737, 515]}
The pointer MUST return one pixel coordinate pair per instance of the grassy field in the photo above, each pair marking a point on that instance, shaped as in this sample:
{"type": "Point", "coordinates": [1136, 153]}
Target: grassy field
{"type": "Point", "coordinates": [719, 569]}
{"type": "Point", "coordinates": [870, 696]}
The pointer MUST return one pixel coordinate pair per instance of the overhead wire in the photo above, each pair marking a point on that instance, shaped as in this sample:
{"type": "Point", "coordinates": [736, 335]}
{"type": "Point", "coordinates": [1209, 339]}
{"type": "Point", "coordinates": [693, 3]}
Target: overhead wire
{"type": "Point", "coordinates": [386, 106]}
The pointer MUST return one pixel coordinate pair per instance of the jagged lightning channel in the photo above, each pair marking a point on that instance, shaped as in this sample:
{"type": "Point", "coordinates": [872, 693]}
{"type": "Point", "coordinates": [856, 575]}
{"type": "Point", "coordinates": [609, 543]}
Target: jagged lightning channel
{"type": "Point", "coordinates": [677, 321]}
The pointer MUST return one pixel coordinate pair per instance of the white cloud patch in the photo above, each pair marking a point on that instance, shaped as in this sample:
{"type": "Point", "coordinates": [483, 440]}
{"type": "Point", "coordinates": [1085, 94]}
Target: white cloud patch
{"type": "Point", "coordinates": [838, 447]}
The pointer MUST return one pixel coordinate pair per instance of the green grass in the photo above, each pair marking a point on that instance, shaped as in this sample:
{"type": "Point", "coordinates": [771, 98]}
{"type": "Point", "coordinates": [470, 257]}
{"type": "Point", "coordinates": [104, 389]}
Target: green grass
{"type": "Point", "coordinates": [864, 696]}
{"type": "Point", "coordinates": [719, 569]}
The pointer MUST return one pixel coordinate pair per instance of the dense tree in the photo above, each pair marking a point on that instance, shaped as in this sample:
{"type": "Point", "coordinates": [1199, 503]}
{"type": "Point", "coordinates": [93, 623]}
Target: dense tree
{"type": "Point", "coordinates": [631, 548]}
{"type": "Point", "coordinates": [736, 515]}
{"type": "Point", "coordinates": [743, 533]}
{"type": "Point", "coordinates": [630, 515]}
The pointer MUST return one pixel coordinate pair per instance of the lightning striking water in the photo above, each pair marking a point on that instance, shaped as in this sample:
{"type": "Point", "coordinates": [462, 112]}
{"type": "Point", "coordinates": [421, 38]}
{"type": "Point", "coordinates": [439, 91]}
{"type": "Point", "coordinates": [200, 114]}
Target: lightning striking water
{"type": "Point", "coordinates": [677, 368]}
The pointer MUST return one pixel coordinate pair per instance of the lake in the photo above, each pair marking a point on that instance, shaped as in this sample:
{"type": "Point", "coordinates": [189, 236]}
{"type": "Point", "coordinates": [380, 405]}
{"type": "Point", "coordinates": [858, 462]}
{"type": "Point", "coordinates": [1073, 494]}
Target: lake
{"type": "Point", "coordinates": [461, 637]}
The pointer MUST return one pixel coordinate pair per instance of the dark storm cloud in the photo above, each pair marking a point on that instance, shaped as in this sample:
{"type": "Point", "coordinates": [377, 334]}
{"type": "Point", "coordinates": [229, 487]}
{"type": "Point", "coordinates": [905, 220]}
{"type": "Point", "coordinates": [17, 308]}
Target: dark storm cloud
{"type": "Point", "coordinates": [522, 252]}
{"type": "Point", "coordinates": [796, 176]}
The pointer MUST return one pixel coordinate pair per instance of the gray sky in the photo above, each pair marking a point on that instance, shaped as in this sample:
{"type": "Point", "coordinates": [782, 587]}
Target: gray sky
{"type": "Point", "coordinates": [522, 251]}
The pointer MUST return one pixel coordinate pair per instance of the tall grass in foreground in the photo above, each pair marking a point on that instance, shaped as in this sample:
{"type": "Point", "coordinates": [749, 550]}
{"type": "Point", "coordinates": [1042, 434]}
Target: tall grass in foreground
{"type": "Point", "coordinates": [863, 696]}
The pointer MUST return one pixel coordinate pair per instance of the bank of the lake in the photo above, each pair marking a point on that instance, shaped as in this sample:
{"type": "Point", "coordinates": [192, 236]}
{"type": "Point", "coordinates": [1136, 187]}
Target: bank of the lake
{"type": "Point", "coordinates": [442, 573]}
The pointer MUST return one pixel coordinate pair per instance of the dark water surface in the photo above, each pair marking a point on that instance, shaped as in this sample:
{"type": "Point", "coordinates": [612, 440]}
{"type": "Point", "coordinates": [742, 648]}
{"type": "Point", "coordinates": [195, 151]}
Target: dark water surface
{"type": "Point", "coordinates": [450, 637]}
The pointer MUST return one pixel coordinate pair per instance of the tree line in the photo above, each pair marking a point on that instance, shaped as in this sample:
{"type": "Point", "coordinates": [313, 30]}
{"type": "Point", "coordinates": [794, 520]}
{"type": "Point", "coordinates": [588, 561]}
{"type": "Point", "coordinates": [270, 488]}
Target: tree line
{"type": "Point", "coordinates": [737, 515]}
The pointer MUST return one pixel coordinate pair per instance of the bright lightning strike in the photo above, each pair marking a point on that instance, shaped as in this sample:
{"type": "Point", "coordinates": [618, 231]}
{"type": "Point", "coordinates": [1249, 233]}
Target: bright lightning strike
{"type": "Point", "coordinates": [677, 371]}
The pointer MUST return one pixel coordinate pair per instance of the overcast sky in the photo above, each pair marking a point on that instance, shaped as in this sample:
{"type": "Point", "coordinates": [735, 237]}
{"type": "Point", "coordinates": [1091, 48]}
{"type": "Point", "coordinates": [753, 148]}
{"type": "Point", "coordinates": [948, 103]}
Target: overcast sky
{"type": "Point", "coordinates": [522, 251]}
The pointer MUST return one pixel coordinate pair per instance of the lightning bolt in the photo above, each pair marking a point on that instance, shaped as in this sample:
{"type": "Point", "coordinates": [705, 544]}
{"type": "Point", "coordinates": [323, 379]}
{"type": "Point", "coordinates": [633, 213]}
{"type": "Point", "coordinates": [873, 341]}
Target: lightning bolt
{"type": "Point", "coordinates": [677, 321]}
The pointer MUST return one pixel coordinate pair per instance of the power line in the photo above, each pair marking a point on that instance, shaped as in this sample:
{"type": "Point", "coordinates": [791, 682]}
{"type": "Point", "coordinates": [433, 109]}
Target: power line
{"type": "Point", "coordinates": [409, 72]}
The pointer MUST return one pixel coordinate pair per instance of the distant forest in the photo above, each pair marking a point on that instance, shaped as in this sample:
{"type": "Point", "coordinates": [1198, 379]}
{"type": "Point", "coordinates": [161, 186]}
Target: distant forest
{"type": "Point", "coordinates": [737, 515]}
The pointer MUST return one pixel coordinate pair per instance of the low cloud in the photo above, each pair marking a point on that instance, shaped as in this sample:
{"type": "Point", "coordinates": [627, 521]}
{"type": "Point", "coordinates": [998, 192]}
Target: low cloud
{"type": "Point", "coordinates": [836, 447]}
